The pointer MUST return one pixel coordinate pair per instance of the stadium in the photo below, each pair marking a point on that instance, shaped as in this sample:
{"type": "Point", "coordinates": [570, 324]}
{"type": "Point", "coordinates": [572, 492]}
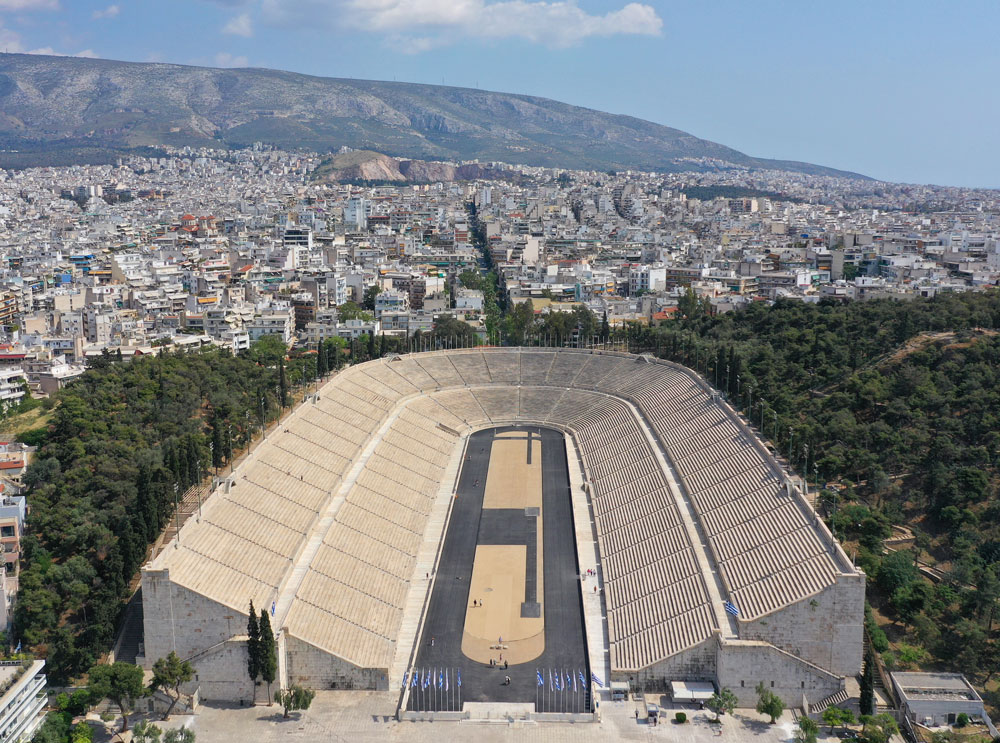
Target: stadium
{"type": "Point", "coordinates": [581, 516]}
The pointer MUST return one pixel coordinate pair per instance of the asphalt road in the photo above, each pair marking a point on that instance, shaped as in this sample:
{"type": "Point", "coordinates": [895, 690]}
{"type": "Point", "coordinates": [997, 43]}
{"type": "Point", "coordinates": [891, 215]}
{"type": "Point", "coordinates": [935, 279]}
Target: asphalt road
{"type": "Point", "coordinates": [565, 649]}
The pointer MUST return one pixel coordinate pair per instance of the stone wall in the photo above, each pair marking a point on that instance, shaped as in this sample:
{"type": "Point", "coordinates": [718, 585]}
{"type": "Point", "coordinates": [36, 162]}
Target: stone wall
{"type": "Point", "coordinates": [826, 630]}
{"type": "Point", "coordinates": [211, 635]}
{"type": "Point", "coordinates": [694, 664]}
{"type": "Point", "coordinates": [177, 618]}
{"type": "Point", "coordinates": [741, 665]}
{"type": "Point", "coordinates": [314, 668]}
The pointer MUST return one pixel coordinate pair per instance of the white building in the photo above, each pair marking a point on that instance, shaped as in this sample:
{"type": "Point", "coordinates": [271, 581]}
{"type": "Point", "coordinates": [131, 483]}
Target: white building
{"type": "Point", "coordinates": [12, 383]}
{"type": "Point", "coordinates": [24, 700]}
{"type": "Point", "coordinates": [279, 324]}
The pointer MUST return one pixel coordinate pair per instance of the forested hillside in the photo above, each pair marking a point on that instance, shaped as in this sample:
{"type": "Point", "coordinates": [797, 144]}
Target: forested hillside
{"type": "Point", "coordinates": [894, 408]}
{"type": "Point", "coordinates": [102, 484]}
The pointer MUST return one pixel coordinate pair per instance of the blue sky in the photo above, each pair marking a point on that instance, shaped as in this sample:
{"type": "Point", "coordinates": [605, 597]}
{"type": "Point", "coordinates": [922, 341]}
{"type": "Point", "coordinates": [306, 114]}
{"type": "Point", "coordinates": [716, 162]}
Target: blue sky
{"type": "Point", "coordinates": [905, 91]}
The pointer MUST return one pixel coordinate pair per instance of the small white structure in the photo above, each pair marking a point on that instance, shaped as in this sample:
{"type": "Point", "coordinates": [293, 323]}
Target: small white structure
{"type": "Point", "coordinates": [934, 699]}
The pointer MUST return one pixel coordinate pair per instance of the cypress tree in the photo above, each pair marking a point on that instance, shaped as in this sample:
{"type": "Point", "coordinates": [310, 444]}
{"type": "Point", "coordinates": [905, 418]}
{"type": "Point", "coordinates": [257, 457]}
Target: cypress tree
{"type": "Point", "coordinates": [282, 384]}
{"type": "Point", "coordinates": [268, 653]}
{"type": "Point", "coordinates": [320, 361]}
{"type": "Point", "coordinates": [867, 700]}
{"type": "Point", "coordinates": [371, 345]}
{"type": "Point", "coordinates": [253, 648]}
{"type": "Point", "coordinates": [605, 327]}
{"type": "Point", "coordinates": [217, 445]}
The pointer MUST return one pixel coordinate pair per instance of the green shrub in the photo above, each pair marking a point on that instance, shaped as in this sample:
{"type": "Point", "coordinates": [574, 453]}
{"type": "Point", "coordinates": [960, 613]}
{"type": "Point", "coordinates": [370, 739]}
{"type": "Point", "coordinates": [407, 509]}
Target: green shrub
{"type": "Point", "coordinates": [680, 718]}
{"type": "Point", "coordinates": [962, 720]}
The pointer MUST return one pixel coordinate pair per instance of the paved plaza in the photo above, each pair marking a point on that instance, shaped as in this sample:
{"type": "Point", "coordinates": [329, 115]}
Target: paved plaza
{"type": "Point", "coordinates": [353, 717]}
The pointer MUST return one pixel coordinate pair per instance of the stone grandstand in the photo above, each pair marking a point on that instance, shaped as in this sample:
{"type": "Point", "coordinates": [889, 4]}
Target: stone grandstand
{"type": "Point", "coordinates": [335, 520]}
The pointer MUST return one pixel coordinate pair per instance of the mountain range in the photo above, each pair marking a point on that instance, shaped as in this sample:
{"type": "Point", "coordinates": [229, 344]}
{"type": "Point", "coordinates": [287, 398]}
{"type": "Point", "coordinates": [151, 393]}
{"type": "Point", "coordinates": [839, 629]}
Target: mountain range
{"type": "Point", "coordinates": [55, 109]}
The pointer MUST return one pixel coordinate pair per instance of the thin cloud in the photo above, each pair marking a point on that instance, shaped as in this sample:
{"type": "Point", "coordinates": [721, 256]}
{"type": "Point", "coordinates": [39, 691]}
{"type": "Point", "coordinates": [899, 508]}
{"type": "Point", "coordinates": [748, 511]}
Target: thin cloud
{"type": "Point", "coordinates": [10, 41]}
{"type": "Point", "coordinates": [225, 59]}
{"type": "Point", "coordinates": [111, 11]}
{"type": "Point", "coordinates": [29, 5]}
{"type": "Point", "coordinates": [241, 25]}
{"type": "Point", "coordinates": [555, 24]}
{"type": "Point", "coordinates": [50, 52]}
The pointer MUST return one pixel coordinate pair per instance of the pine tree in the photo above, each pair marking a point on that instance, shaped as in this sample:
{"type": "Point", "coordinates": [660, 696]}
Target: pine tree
{"type": "Point", "coordinates": [867, 700]}
{"type": "Point", "coordinates": [268, 653]}
{"type": "Point", "coordinates": [253, 648]}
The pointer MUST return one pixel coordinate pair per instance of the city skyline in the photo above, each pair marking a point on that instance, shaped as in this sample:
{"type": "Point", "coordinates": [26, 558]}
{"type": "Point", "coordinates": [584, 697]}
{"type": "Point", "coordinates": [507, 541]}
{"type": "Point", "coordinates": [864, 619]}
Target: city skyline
{"type": "Point", "coordinates": [880, 91]}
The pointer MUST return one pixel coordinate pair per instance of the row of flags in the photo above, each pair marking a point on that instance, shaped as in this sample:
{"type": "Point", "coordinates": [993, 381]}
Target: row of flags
{"type": "Point", "coordinates": [432, 677]}
{"type": "Point", "coordinates": [562, 680]}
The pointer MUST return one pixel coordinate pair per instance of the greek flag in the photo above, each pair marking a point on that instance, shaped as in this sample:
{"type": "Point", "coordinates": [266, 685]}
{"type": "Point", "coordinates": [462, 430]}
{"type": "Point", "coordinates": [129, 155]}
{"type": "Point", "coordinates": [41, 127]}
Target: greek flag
{"type": "Point", "coordinates": [569, 679]}
{"type": "Point", "coordinates": [406, 677]}
{"type": "Point", "coordinates": [273, 607]}
{"type": "Point", "coordinates": [458, 676]}
{"type": "Point", "coordinates": [427, 679]}
{"type": "Point", "coordinates": [583, 679]}
{"type": "Point", "coordinates": [558, 681]}
{"type": "Point", "coordinates": [538, 675]}
{"type": "Point", "coordinates": [731, 608]}
{"type": "Point", "coordinates": [440, 679]}
{"type": "Point", "coordinates": [416, 679]}
{"type": "Point", "coordinates": [597, 680]}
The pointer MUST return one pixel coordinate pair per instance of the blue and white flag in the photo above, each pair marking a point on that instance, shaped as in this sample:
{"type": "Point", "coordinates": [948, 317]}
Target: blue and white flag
{"type": "Point", "coordinates": [273, 607]}
{"type": "Point", "coordinates": [597, 680]}
{"type": "Point", "coordinates": [427, 678]}
{"type": "Point", "coordinates": [416, 679]}
{"type": "Point", "coordinates": [731, 608]}
{"type": "Point", "coordinates": [552, 687]}
{"type": "Point", "coordinates": [406, 677]}
{"type": "Point", "coordinates": [558, 681]}
{"type": "Point", "coordinates": [583, 679]}
{"type": "Point", "coordinates": [538, 675]}
{"type": "Point", "coordinates": [446, 677]}
{"type": "Point", "coordinates": [569, 679]}
{"type": "Point", "coordinates": [18, 648]}
{"type": "Point", "coordinates": [440, 679]}
{"type": "Point", "coordinates": [458, 676]}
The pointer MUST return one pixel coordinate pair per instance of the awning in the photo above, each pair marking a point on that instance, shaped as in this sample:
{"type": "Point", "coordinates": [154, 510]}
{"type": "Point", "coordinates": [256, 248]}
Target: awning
{"type": "Point", "coordinates": [691, 691]}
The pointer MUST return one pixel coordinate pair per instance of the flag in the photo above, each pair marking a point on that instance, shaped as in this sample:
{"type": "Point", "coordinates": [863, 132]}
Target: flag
{"type": "Point", "coordinates": [597, 680]}
{"type": "Point", "coordinates": [569, 679]}
{"type": "Point", "coordinates": [583, 679]}
{"type": "Point", "coordinates": [416, 679]}
{"type": "Point", "coordinates": [406, 677]}
{"type": "Point", "coordinates": [558, 681]}
{"type": "Point", "coordinates": [458, 676]}
{"type": "Point", "coordinates": [272, 608]}
{"type": "Point", "coordinates": [731, 608]}
{"type": "Point", "coordinates": [552, 686]}
{"type": "Point", "coordinates": [18, 649]}
{"type": "Point", "coordinates": [446, 680]}
{"type": "Point", "coordinates": [575, 688]}
{"type": "Point", "coordinates": [427, 679]}
{"type": "Point", "coordinates": [538, 674]}
{"type": "Point", "coordinates": [440, 679]}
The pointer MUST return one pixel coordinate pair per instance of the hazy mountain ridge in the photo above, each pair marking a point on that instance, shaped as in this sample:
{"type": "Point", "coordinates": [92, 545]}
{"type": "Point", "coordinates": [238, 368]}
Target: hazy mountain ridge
{"type": "Point", "coordinates": [47, 101]}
